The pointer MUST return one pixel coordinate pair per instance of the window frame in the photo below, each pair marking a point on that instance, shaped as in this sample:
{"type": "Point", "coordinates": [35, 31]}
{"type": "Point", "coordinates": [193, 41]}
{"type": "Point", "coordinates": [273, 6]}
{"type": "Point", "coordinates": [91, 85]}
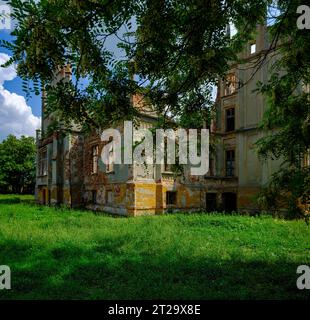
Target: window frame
{"type": "Point", "coordinates": [229, 117]}
{"type": "Point", "coordinates": [230, 169]}
{"type": "Point", "coordinates": [94, 196]}
{"type": "Point", "coordinates": [43, 162]}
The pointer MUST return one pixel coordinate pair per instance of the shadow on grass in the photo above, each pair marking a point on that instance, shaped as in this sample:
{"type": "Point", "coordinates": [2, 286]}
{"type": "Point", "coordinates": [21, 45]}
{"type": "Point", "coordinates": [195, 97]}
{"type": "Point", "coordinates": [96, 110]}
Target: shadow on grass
{"type": "Point", "coordinates": [10, 200]}
{"type": "Point", "coordinates": [16, 200]}
{"type": "Point", "coordinates": [107, 271]}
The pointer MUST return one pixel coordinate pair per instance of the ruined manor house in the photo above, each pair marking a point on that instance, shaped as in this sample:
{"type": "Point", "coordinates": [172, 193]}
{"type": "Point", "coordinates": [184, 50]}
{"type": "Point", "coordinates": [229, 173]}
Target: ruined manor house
{"type": "Point", "coordinates": [70, 170]}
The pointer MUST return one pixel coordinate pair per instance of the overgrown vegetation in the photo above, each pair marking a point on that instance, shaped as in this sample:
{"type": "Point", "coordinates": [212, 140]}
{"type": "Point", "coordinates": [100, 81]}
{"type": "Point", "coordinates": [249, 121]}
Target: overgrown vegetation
{"type": "Point", "coordinates": [17, 165]}
{"type": "Point", "coordinates": [288, 115]}
{"type": "Point", "coordinates": [67, 254]}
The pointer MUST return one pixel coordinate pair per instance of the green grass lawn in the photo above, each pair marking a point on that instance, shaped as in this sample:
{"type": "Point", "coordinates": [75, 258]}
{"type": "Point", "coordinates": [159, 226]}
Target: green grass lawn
{"type": "Point", "coordinates": [66, 254]}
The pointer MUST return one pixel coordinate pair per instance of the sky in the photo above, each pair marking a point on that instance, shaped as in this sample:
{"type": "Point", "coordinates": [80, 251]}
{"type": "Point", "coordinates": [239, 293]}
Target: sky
{"type": "Point", "coordinates": [18, 115]}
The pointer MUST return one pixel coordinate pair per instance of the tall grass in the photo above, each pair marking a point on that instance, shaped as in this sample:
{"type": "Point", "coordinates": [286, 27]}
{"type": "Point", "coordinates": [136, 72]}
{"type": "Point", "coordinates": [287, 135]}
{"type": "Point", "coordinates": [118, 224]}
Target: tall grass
{"type": "Point", "coordinates": [70, 254]}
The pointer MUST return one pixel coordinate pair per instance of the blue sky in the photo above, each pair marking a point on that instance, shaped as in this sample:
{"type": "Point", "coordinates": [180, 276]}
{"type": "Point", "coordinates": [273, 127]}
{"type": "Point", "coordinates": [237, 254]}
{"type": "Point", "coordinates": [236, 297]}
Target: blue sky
{"type": "Point", "coordinates": [16, 84]}
{"type": "Point", "coordinates": [18, 115]}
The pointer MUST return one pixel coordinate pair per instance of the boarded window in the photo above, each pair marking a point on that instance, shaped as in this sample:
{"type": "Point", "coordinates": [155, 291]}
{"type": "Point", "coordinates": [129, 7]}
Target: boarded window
{"type": "Point", "coordinates": [230, 163]}
{"type": "Point", "coordinates": [230, 119]}
{"type": "Point", "coordinates": [171, 198]}
{"type": "Point", "coordinates": [95, 152]}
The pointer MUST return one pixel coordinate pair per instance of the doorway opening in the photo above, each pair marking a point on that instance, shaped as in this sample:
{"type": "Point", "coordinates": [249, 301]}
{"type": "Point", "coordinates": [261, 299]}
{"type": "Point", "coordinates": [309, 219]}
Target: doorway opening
{"type": "Point", "coordinates": [211, 202]}
{"type": "Point", "coordinates": [229, 201]}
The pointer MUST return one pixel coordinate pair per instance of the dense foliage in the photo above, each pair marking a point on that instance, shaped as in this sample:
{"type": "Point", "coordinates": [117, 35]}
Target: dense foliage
{"type": "Point", "coordinates": [288, 115]}
{"type": "Point", "coordinates": [171, 51]}
{"type": "Point", "coordinates": [17, 164]}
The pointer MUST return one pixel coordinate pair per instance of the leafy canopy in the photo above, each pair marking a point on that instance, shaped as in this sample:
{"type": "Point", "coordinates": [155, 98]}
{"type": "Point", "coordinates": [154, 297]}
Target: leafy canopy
{"type": "Point", "coordinates": [288, 114]}
{"type": "Point", "coordinates": [171, 51]}
{"type": "Point", "coordinates": [17, 164]}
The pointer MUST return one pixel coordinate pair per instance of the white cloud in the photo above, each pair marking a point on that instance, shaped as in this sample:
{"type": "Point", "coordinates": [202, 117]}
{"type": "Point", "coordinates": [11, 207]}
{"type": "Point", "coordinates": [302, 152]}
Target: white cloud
{"type": "Point", "coordinates": [8, 73]}
{"type": "Point", "coordinates": [16, 116]}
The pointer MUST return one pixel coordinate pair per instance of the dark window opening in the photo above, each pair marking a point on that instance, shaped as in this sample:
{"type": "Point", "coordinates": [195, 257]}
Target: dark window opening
{"type": "Point", "coordinates": [44, 196]}
{"type": "Point", "coordinates": [230, 163]}
{"type": "Point", "coordinates": [229, 201]}
{"type": "Point", "coordinates": [94, 196]}
{"type": "Point", "coordinates": [171, 198]}
{"type": "Point", "coordinates": [211, 202]}
{"type": "Point", "coordinates": [230, 119]}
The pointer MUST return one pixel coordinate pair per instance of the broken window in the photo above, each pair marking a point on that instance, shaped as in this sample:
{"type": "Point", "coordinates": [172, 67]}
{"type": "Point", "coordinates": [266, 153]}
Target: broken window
{"type": "Point", "coordinates": [230, 84]}
{"type": "Point", "coordinates": [95, 153]}
{"type": "Point", "coordinates": [230, 163]}
{"type": "Point", "coordinates": [230, 119]}
{"type": "Point", "coordinates": [43, 162]}
{"type": "Point", "coordinates": [171, 198]}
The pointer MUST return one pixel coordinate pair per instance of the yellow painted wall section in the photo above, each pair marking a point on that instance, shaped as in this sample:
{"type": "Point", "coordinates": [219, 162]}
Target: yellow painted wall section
{"type": "Point", "coordinates": [150, 198]}
{"type": "Point", "coordinates": [145, 198]}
